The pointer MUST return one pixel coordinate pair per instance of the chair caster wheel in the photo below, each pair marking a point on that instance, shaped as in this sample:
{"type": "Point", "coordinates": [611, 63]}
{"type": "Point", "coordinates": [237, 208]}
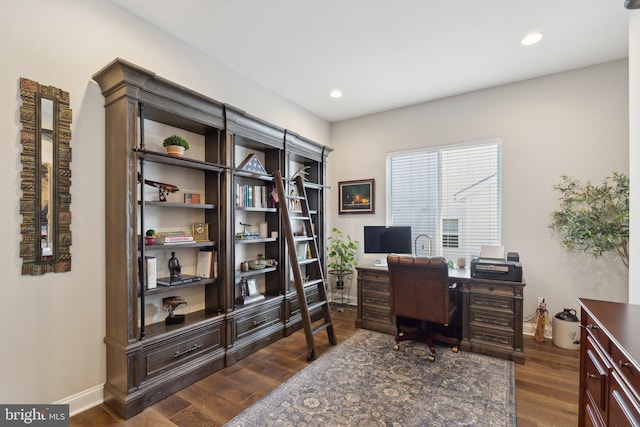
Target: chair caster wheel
{"type": "Point", "coordinates": [431, 358]}
{"type": "Point", "coordinates": [396, 347]}
{"type": "Point", "coordinates": [455, 349]}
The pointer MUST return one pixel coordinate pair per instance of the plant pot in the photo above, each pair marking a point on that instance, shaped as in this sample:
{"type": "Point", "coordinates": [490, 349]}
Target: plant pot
{"type": "Point", "coordinates": [175, 150]}
{"type": "Point", "coordinates": [149, 240]}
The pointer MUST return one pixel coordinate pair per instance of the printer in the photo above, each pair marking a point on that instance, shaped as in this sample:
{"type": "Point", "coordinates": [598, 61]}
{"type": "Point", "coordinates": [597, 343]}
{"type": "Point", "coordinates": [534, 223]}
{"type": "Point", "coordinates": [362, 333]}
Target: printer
{"type": "Point", "coordinates": [493, 265]}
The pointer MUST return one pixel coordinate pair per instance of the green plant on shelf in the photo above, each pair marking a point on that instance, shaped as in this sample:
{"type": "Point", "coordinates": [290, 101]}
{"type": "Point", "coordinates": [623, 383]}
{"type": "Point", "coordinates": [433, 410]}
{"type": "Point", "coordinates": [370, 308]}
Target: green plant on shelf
{"type": "Point", "coordinates": [176, 140]}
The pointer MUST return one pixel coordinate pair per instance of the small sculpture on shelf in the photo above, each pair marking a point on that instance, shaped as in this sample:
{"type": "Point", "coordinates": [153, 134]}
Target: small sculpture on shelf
{"type": "Point", "coordinates": [174, 268]}
{"type": "Point", "coordinates": [163, 188]}
{"type": "Point", "coordinates": [169, 304]}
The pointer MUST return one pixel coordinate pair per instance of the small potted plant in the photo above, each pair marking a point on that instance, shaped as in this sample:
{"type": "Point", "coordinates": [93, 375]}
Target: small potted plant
{"type": "Point", "coordinates": [175, 145]}
{"type": "Point", "coordinates": [342, 260]}
{"type": "Point", "coordinates": [150, 237]}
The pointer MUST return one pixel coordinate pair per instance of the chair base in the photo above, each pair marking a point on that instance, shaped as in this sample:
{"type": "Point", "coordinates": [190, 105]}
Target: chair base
{"type": "Point", "coordinates": [427, 333]}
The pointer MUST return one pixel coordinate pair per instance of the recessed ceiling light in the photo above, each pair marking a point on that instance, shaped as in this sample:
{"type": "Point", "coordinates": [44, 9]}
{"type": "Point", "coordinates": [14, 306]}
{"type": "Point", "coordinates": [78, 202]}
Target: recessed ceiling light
{"type": "Point", "coordinates": [336, 93]}
{"type": "Point", "coordinates": [531, 38]}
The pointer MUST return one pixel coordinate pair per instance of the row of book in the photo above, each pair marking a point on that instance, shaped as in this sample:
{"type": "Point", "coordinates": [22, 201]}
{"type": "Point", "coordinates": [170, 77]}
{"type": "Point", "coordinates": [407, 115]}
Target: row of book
{"type": "Point", "coordinates": [256, 196]}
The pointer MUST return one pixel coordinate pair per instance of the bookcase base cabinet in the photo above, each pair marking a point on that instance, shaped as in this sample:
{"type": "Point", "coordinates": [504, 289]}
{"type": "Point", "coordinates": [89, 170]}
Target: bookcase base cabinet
{"type": "Point", "coordinates": [609, 368]}
{"type": "Point", "coordinates": [292, 309]}
{"type": "Point", "coordinates": [254, 327]}
{"type": "Point", "coordinates": [490, 311]}
{"type": "Point", "coordinates": [159, 367]}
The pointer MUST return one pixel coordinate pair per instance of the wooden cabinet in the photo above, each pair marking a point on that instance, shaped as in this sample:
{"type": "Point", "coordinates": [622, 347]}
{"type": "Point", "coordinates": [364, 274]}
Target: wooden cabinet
{"type": "Point", "coordinates": [491, 311]}
{"type": "Point", "coordinates": [374, 300]}
{"type": "Point", "coordinates": [148, 358]}
{"type": "Point", "coordinates": [609, 368]}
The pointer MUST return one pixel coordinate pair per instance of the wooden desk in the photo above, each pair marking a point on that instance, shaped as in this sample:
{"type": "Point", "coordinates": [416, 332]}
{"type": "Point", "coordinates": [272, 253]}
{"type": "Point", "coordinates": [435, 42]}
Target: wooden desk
{"type": "Point", "coordinates": [491, 314]}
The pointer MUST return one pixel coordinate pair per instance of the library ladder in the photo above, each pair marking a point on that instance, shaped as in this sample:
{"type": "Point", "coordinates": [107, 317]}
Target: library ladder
{"type": "Point", "coordinates": [295, 207]}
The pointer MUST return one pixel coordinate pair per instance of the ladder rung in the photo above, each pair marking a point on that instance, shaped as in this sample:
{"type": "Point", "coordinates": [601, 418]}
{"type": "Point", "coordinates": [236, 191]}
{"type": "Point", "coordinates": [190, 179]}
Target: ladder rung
{"type": "Point", "coordinates": [295, 197]}
{"type": "Point", "coordinates": [320, 327]}
{"type": "Point", "coordinates": [311, 283]}
{"type": "Point", "coordinates": [307, 261]}
{"type": "Point", "coordinates": [300, 218]}
{"type": "Point", "coordinates": [316, 305]}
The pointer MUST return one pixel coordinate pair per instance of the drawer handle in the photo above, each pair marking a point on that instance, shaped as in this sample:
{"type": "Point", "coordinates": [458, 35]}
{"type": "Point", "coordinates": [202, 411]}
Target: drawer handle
{"type": "Point", "coordinates": [259, 322]}
{"type": "Point", "coordinates": [622, 364]}
{"type": "Point", "coordinates": [592, 327]}
{"type": "Point", "coordinates": [491, 288]}
{"type": "Point", "coordinates": [189, 350]}
{"type": "Point", "coordinates": [592, 376]}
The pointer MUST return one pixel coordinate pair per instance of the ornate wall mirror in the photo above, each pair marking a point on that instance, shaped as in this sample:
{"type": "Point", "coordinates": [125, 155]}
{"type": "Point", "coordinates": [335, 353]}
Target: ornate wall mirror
{"type": "Point", "coordinates": [46, 179]}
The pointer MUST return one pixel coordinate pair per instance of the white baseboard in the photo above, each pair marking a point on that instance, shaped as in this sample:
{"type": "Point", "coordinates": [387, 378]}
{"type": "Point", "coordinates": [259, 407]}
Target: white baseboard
{"type": "Point", "coordinates": [83, 400]}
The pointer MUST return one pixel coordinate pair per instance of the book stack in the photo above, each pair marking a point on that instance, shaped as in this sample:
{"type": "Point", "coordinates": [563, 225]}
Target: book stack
{"type": "Point", "coordinates": [174, 237]}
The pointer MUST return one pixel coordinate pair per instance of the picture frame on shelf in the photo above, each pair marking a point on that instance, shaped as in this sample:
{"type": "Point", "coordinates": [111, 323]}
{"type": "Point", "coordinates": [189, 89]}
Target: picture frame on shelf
{"type": "Point", "coordinates": [253, 287]}
{"type": "Point", "coordinates": [192, 198]}
{"type": "Point", "coordinates": [356, 197]}
{"type": "Point", "coordinates": [200, 232]}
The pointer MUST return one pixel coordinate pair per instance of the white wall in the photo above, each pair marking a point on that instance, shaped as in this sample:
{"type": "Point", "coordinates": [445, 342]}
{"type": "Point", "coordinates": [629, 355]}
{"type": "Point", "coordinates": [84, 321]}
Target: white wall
{"type": "Point", "coordinates": [52, 326]}
{"type": "Point", "coordinates": [634, 155]}
{"type": "Point", "coordinates": [573, 123]}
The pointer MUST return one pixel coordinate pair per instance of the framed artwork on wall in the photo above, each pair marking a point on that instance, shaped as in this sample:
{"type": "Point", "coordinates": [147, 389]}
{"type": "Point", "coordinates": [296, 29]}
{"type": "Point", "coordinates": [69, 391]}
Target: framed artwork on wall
{"type": "Point", "coordinates": [356, 197]}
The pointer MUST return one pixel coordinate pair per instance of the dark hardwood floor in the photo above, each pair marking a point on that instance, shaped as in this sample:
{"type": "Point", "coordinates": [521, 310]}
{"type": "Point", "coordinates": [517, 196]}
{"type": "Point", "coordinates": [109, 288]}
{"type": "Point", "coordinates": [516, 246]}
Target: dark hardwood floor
{"type": "Point", "coordinates": [546, 385]}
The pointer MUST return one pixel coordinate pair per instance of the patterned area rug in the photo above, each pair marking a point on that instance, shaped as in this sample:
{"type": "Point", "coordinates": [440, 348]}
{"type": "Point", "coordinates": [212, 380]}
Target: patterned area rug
{"type": "Point", "coordinates": [364, 382]}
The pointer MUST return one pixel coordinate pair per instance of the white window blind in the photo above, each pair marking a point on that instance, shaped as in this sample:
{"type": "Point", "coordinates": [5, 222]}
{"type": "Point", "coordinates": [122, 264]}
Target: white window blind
{"type": "Point", "coordinates": [452, 194]}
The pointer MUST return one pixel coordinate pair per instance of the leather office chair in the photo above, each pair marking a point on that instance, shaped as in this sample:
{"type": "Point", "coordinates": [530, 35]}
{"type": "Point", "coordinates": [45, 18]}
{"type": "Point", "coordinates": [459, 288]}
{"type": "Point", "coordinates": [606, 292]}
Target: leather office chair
{"type": "Point", "coordinates": [422, 301]}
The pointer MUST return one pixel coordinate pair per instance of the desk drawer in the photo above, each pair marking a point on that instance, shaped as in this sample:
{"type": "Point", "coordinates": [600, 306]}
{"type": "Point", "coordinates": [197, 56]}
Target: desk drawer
{"type": "Point", "coordinates": [596, 373]}
{"type": "Point", "coordinates": [594, 330]}
{"type": "Point", "coordinates": [624, 410]}
{"type": "Point", "coordinates": [374, 299]}
{"type": "Point", "coordinates": [626, 368]}
{"type": "Point", "coordinates": [494, 288]}
{"type": "Point", "coordinates": [491, 302]}
{"type": "Point", "coordinates": [492, 319]}
{"type": "Point", "coordinates": [376, 276]}
{"type": "Point", "coordinates": [169, 354]}
{"type": "Point", "coordinates": [491, 336]}
{"type": "Point", "coordinates": [378, 316]}
{"type": "Point", "coordinates": [256, 320]}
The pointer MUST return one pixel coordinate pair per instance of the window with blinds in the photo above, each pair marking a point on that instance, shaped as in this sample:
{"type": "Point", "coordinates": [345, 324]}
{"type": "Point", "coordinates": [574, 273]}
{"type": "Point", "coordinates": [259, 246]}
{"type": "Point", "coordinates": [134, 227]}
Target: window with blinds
{"type": "Point", "coordinates": [452, 194]}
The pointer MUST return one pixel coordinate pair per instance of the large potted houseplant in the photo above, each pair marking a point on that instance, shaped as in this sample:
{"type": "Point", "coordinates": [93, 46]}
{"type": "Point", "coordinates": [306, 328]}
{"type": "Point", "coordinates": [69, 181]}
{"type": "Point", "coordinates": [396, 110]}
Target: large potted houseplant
{"type": "Point", "coordinates": [342, 253]}
{"type": "Point", "coordinates": [175, 145]}
{"type": "Point", "coordinates": [594, 219]}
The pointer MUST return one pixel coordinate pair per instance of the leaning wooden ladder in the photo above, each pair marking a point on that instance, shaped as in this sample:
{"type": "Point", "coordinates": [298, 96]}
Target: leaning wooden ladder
{"type": "Point", "coordinates": [302, 213]}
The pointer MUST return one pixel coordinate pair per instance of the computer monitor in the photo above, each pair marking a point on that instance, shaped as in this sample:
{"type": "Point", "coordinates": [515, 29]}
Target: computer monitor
{"type": "Point", "coordinates": [379, 239]}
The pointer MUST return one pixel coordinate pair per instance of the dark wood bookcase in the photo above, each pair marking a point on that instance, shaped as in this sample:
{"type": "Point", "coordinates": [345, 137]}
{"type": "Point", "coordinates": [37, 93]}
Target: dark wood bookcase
{"type": "Point", "coordinates": [148, 359]}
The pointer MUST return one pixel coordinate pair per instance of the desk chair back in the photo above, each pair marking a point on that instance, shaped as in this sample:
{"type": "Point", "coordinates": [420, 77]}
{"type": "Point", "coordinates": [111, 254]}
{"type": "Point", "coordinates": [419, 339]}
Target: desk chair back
{"type": "Point", "coordinates": [420, 288]}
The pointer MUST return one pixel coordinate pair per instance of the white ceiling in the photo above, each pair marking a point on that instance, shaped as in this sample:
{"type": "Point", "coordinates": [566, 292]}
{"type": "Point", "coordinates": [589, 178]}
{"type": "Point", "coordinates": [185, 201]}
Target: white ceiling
{"type": "Point", "coordinates": [385, 54]}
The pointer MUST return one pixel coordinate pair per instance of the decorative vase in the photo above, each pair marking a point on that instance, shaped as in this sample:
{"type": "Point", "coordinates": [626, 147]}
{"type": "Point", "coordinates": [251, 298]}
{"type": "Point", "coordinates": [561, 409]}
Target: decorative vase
{"type": "Point", "coordinates": [175, 150]}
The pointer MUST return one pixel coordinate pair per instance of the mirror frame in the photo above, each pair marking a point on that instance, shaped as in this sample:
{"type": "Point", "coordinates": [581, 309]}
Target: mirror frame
{"type": "Point", "coordinates": [33, 263]}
